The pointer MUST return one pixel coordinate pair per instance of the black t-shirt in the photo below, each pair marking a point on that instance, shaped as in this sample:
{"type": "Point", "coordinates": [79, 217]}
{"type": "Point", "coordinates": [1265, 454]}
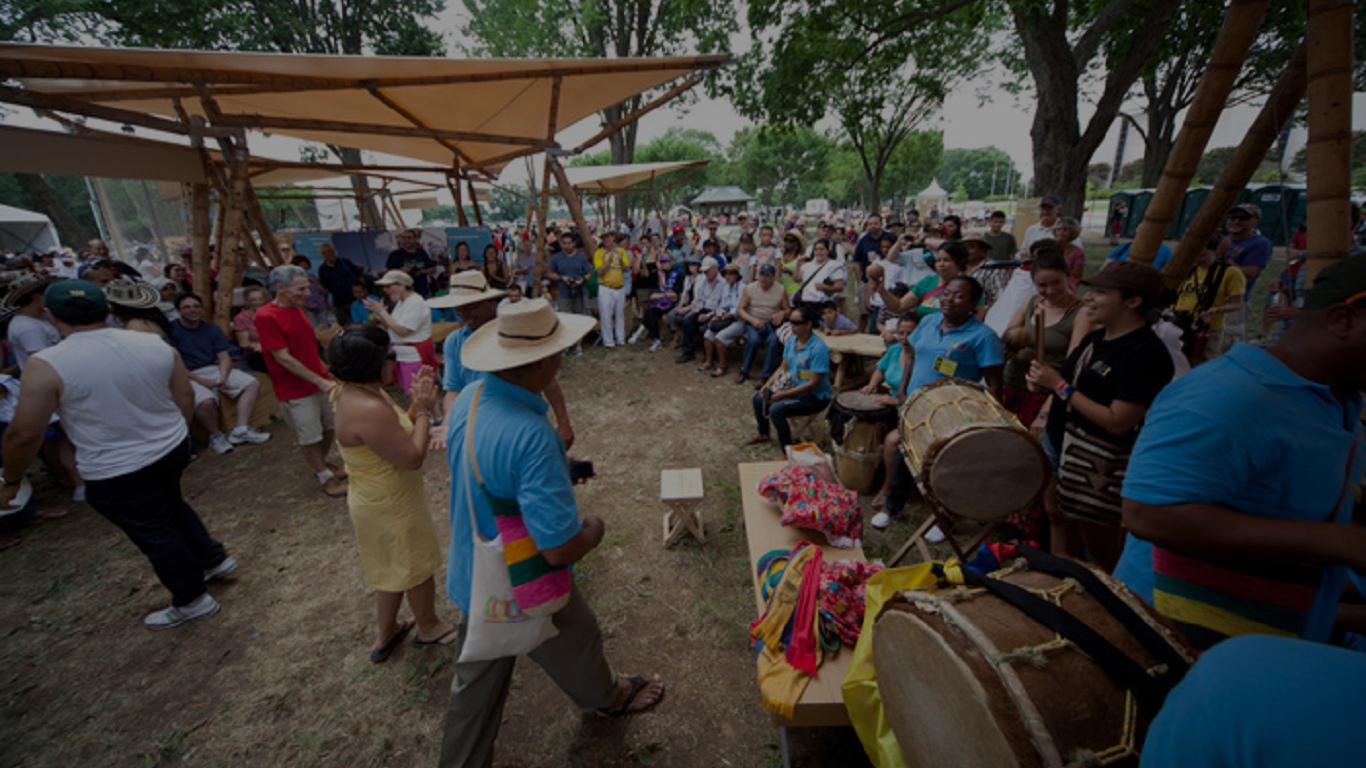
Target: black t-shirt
{"type": "Point", "coordinates": [412, 263]}
{"type": "Point", "coordinates": [1132, 368]}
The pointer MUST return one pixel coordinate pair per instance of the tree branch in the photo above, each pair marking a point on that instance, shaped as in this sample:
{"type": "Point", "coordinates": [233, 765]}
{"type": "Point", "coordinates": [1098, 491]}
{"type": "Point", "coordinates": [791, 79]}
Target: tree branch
{"type": "Point", "coordinates": [900, 24]}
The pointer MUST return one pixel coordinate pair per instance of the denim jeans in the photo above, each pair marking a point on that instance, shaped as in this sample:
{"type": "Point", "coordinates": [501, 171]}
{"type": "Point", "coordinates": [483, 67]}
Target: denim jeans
{"type": "Point", "coordinates": [754, 337]}
{"type": "Point", "coordinates": [781, 411]}
{"type": "Point", "coordinates": [148, 506]}
{"type": "Point", "coordinates": [773, 355]}
{"type": "Point", "coordinates": [692, 329]}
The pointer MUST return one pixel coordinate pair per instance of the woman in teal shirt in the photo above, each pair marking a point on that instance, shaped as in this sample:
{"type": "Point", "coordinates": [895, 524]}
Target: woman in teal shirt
{"type": "Point", "coordinates": [806, 361]}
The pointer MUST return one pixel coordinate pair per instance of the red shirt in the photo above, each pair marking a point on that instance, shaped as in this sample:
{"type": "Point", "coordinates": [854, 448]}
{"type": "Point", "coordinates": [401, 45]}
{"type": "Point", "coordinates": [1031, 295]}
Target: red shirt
{"type": "Point", "coordinates": [288, 328]}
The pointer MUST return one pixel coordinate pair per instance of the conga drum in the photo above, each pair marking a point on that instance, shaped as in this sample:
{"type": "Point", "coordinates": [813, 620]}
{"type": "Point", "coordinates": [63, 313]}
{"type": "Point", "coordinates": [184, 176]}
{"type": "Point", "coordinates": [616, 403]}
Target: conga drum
{"type": "Point", "coordinates": [971, 456]}
{"type": "Point", "coordinates": [968, 679]}
{"type": "Point", "coordinates": [858, 426]}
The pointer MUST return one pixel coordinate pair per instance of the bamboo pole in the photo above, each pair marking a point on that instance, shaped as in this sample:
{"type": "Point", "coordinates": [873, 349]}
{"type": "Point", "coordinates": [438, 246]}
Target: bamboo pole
{"type": "Point", "coordinates": [254, 254]}
{"type": "Point", "coordinates": [1241, 21]}
{"type": "Point", "coordinates": [663, 99]}
{"type": "Point", "coordinates": [275, 122]}
{"type": "Point", "coordinates": [199, 237]}
{"type": "Point", "coordinates": [36, 100]}
{"type": "Point", "coordinates": [1328, 67]}
{"type": "Point", "coordinates": [256, 215]}
{"type": "Point", "coordinates": [543, 211]}
{"type": "Point", "coordinates": [232, 224]}
{"type": "Point", "coordinates": [474, 201]}
{"type": "Point", "coordinates": [385, 99]}
{"type": "Point", "coordinates": [572, 200]}
{"type": "Point", "coordinates": [1261, 135]}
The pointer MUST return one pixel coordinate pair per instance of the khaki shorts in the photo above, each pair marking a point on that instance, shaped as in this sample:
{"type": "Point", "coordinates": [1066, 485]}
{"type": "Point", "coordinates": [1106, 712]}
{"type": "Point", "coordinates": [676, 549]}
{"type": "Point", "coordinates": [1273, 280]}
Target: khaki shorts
{"type": "Point", "coordinates": [309, 417]}
{"type": "Point", "coordinates": [237, 382]}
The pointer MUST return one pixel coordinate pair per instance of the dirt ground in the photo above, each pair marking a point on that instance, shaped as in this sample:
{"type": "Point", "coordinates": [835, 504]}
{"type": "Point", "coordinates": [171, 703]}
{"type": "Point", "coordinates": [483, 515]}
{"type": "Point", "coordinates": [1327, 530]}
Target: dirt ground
{"type": "Point", "coordinates": [281, 676]}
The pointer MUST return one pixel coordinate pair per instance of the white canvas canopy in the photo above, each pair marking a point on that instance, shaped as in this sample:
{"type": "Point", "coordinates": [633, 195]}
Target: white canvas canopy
{"type": "Point", "coordinates": [24, 231]}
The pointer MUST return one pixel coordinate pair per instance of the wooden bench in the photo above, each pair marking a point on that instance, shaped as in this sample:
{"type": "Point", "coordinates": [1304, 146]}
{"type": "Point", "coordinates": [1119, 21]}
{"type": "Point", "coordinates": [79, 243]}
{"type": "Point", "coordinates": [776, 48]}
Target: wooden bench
{"type": "Point", "coordinates": [822, 703]}
{"type": "Point", "coordinates": [266, 407]}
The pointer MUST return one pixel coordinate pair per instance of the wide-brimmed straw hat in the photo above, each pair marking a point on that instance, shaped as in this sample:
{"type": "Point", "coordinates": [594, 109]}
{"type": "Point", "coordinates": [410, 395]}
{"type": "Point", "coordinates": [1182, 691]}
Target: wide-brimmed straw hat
{"type": "Point", "coordinates": [801, 238]}
{"type": "Point", "coordinates": [523, 333]}
{"type": "Point", "coordinates": [24, 286]}
{"type": "Point", "coordinates": [468, 287]}
{"type": "Point", "coordinates": [396, 277]}
{"type": "Point", "coordinates": [127, 293]}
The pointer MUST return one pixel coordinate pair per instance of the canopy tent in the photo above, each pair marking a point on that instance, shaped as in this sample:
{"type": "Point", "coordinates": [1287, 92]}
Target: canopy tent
{"type": "Point", "coordinates": [933, 196]}
{"type": "Point", "coordinates": [470, 113]}
{"type": "Point", "coordinates": [22, 230]}
{"type": "Point", "coordinates": [622, 178]}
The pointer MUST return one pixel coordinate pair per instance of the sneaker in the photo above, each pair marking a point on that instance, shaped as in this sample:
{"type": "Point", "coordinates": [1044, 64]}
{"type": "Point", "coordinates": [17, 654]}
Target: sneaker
{"type": "Point", "coordinates": [78, 494]}
{"type": "Point", "coordinates": [203, 607]}
{"type": "Point", "coordinates": [656, 345]}
{"type": "Point", "coordinates": [637, 336]}
{"type": "Point", "coordinates": [934, 535]}
{"type": "Point", "coordinates": [335, 486]}
{"type": "Point", "coordinates": [219, 443]}
{"type": "Point", "coordinates": [881, 520]}
{"type": "Point", "coordinates": [247, 435]}
{"type": "Point", "coordinates": [222, 570]}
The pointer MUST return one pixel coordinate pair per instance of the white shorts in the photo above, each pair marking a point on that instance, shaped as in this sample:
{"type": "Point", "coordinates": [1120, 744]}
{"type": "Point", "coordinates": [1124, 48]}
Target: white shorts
{"type": "Point", "coordinates": [309, 417]}
{"type": "Point", "coordinates": [237, 382]}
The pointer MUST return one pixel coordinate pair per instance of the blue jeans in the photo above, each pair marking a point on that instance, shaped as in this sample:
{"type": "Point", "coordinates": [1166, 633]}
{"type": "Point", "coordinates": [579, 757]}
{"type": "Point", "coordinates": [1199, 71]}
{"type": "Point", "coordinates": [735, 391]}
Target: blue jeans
{"type": "Point", "coordinates": [148, 506]}
{"type": "Point", "coordinates": [754, 337]}
{"type": "Point", "coordinates": [773, 355]}
{"type": "Point", "coordinates": [779, 412]}
{"type": "Point", "coordinates": [692, 329]}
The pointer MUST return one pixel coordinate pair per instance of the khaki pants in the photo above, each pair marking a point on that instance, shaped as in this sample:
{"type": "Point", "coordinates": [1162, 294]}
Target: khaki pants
{"type": "Point", "coordinates": [574, 660]}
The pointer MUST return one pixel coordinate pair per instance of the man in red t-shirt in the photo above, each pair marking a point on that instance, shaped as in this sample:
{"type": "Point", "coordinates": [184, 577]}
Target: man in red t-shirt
{"type": "Point", "coordinates": [301, 382]}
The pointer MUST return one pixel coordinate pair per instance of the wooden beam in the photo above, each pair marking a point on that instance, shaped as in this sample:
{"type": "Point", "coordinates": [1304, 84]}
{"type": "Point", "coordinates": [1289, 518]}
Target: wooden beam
{"type": "Point", "coordinates": [261, 165]}
{"type": "Point", "coordinates": [543, 212]}
{"type": "Point", "coordinates": [474, 201]}
{"type": "Point", "coordinates": [199, 237]}
{"type": "Point", "coordinates": [1242, 19]}
{"type": "Point", "coordinates": [1278, 111]}
{"type": "Point", "coordinates": [572, 200]}
{"type": "Point", "coordinates": [256, 215]}
{"type": "Point", "coordinates": [663, 99]}
{"type": "Point", "coordinates": [553, 114]}
{"type": "Point", "coordinates": [417, 122]}
{"type": "Point", "coordinates": [256, 81]}
{"type": "Point", "coordinates": [269, 122]}
{"type": "Point", "coordinates": [499, 159]}
{"type": "Point", "coordinates": [231, 226]}
{"type": "Point", "coordinates": [1328, 218]}
{"type": "Point", "coordinates": [36, 100]}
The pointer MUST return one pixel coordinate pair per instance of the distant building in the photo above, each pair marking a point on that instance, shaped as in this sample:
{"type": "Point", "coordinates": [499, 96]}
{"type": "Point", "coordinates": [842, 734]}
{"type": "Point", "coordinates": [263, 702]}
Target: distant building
{"type": "Point", "coordinates": [715, 201]}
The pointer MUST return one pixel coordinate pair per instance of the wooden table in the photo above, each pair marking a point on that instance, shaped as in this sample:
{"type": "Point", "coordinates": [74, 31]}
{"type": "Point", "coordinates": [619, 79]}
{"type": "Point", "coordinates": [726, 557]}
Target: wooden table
{"type": "Point", "coordinates": [847, 353]}
{"type": "Point", "coordinates": [822, 703]}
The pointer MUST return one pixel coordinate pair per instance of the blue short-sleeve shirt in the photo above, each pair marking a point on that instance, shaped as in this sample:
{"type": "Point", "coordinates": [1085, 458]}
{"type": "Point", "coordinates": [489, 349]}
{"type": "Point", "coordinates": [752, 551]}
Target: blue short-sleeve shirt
{"type": "Point", "coordinates": [812, 358]}
{"type": "Point", "coordinates": [457, 376]}
{"type": "Point", "coordinates": [520, 457]}
{"type": "Point", "coordinates": [965, 350]}
{"type": "Point", "coordinates": [198, 347]}
{"type": "Point", "coordinates": [891, 367]}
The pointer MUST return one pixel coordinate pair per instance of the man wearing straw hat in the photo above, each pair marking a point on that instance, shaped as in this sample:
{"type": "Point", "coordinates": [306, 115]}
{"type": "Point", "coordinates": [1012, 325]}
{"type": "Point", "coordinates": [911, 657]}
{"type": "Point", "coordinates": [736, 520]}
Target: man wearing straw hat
{"type": "Point", "coordinates": [503, 450]}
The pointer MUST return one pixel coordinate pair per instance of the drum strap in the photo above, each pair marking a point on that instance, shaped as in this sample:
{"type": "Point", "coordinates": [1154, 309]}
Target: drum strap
{"type": "Point", "coordinates": [1151, 640]}
{"type": "Point", "coordinates": [1122, 669]}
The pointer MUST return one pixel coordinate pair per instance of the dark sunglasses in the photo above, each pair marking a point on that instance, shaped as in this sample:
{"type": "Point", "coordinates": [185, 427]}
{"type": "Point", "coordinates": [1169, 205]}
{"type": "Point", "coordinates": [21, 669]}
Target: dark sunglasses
{"type": "Point", "coordinates": [800, 322]}
{"type": "Point", "coordinates": [1240, 216]}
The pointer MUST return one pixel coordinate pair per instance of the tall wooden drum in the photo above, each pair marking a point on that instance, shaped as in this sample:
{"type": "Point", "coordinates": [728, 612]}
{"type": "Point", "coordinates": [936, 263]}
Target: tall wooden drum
{"type": "Point", "coordinates": [971, 456]}
{"type": "Point", "coordinates": [858, 424]}
{"type": "Point", "coordinates": [968, 679]}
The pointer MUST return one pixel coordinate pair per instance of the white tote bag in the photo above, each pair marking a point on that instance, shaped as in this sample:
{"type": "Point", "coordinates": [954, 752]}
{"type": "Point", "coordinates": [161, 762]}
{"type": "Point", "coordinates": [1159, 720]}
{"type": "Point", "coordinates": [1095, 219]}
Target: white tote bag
{"type": "Point", "coordinates": [496, 626]}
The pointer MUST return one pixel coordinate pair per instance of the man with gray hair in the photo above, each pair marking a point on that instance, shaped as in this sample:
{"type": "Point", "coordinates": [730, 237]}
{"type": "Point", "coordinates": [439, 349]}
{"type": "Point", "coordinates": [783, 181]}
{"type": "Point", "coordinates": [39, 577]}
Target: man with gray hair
{"type": "Point", "coordinates": [301, 382]}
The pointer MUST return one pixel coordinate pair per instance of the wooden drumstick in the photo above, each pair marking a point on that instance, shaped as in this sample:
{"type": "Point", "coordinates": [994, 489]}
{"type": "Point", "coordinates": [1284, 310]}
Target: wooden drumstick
{"type": "Point", "coordinates": [1038, 336]}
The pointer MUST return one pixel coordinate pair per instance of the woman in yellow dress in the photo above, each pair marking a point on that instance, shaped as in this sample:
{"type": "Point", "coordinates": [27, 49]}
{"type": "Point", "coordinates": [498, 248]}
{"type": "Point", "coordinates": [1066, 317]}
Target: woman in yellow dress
{"type": "Point", "coordinates": [383, 447]}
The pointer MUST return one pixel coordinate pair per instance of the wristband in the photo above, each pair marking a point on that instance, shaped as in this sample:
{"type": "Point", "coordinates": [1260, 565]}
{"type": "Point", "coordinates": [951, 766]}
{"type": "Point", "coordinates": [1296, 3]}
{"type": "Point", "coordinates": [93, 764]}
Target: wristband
{"type": "Point", "coordinates": [428, 414]}
{"type": "Point", "coordinates": [1064, 391]}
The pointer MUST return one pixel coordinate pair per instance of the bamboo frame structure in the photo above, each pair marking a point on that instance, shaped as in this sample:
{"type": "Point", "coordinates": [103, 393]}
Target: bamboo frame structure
{"type": "Point", "coordinates": [1328, 69]}
{"type": "Point", "coordinates": [199, 237]}
{"type": "Point", "coordinates": [1239, 30]}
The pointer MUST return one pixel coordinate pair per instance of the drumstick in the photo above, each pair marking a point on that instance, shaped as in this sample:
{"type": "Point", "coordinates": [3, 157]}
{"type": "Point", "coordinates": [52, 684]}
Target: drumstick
{"type": "Point", "coordinates": [1038, 336]}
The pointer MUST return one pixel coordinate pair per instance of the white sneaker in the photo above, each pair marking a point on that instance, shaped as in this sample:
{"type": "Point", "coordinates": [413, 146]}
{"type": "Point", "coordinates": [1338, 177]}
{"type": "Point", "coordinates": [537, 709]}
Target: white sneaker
{"type": "Point", "coordinates": [656, 346]}
{"type": "Point", "coordinates": [222, 570]}
{"type": "Point", "coordinates": [203, 607]}
{"type": "Point", "coordinates": [637, 336]}
{"type": "Point", "coordinates": [247, 435]}
{"type": "Point", "coordinates": [881, 520]}
{"type": "Point", "coordinates": [219, 443]}
{"type": "Point", "coordinates": [934, 535]}
{"type": "Point", "coordinates": [78, 494]}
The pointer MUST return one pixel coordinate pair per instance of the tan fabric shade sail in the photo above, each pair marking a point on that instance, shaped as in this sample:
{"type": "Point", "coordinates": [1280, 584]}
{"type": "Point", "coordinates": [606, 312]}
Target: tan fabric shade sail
{"type": "Point", "coordinates": [478, 113]}
{"type": "Point", "coordinates": [26, 150]}
{"type": "Point", "coordinates": [615, 178]}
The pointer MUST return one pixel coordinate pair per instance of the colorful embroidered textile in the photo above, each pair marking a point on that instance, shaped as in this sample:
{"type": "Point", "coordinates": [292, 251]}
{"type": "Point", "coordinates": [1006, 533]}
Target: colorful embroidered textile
{"type": "Point", "coordinates": [841, 598]}
{"type": "Point", "coordinates": [814, 504]}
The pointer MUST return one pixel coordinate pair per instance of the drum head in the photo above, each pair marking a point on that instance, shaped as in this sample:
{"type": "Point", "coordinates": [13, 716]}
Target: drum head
{"type": "Point", "coordinates": [988, 473]}
{"type": "Point", "coordinates": [936, 707]}
{"type": "Point", "coordinates": [861, 405]}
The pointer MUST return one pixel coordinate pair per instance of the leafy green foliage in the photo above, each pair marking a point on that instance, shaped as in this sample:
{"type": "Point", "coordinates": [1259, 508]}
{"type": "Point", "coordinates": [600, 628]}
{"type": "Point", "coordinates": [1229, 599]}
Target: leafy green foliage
{"type": "Point", "coordinates": [973, 170]}
{"type": "Point", "coordinates": [1213, 162]}
{"type": "Point", "coordinates": [781, 165]}
{"type": "Point", "coordinates": [71, 193]}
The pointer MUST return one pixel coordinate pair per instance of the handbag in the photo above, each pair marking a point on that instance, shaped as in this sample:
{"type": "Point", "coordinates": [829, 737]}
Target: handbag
{"type": "Point", "coordinates": [716, 326]}
{"type": "Point", "coordinates": [496, 626]}
{"type": "Point", "coordinates": [1090, 470]}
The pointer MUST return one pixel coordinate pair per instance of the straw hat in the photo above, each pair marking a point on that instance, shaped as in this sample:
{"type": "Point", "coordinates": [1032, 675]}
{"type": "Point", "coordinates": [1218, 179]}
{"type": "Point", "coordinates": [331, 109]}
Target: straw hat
{"type": "Point", "coordinates": [801, 239]}
{"type": "Point", "coordinates": [523, 333]}
{"type": "Point", "coordinates": [127, 293]}
{"type": "Point", "coordinates": [24, 286]}
{"type": "Point", "coordinates": [468, 287]}
{"type": "Point", "coordinates": [396, 277]}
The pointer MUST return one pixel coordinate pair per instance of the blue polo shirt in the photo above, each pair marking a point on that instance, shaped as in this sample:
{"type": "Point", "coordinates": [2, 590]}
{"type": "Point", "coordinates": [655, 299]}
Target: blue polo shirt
{"type": "Point", "coordinates": [457, 376]}
{"type": "Point", "coordinates": [520, 457]}
{"type": "Point", "coordinates": [891, 367]}
{"type": "Point", "coordinates": [576, 266]}
{"type": "Point", "coordinates": [1254, 251]}
{"type": "Point", "coordinates": [965, 350]}
{"type": "Point", "coordinates": [812, 358]}
{"type": "Point", "coordinates": [1246, 433]}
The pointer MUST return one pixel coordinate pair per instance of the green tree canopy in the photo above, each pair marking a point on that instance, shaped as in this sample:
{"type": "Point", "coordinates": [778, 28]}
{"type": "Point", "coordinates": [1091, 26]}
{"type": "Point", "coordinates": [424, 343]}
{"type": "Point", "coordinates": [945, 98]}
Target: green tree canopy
{"type": "Point", "coordinates": [781, 165]}
{"type": "Point", "coordinates": [974, 170]}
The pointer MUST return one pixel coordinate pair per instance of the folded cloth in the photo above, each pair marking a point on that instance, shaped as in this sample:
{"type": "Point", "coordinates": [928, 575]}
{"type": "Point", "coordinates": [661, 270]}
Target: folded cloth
{"type": "Point", "coordinates": [815, 504]}
{"type": "Point", "coordinates": [843, 583]}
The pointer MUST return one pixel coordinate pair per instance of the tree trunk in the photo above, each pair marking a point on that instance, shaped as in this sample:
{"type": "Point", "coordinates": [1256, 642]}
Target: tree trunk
{"type": "Point", "coordinates": [70, 230]}
{"type": "Point", "coordinates": [360, 185]}
{"type": "Point", "coordinates": [623, 146]}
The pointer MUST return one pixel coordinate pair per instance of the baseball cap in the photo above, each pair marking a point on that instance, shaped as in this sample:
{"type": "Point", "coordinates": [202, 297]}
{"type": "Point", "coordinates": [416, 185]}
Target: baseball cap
{"type": "Point", "coordinates": [1129, 275]}
{"type": "Point", "coordinates": [767, 269]}
{"type": "Point", "coordinates": [1251, 209]}
{"type": "Point", "coordinates": [63, 292]}
{"type": "Point", "coordinates": [678, 228]}
{"type": "Point", "coordinates": [1050, 201]}
{"type": "Point", "coordinates": [709, 263]}
{"type": "Point", "coordinates": [1340, 283]}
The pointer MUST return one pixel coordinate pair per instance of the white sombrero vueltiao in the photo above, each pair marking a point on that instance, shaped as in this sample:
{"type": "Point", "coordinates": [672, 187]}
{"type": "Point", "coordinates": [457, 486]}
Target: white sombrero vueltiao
{"type": "Point", "coordinates": [523, 333]}
{"type": "Point", "coordinates": [466, 288]}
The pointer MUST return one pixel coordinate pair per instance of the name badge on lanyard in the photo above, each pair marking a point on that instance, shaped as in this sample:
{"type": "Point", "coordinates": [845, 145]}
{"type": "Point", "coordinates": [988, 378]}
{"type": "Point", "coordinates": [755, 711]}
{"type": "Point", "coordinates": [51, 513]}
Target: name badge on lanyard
{"type": "Point", "coordinates": [945, 366]}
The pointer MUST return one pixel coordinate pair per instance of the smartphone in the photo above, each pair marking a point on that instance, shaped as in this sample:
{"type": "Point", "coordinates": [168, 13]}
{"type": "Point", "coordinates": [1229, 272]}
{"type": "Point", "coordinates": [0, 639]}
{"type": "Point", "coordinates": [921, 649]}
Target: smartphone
{"type": "Point", "coordinates": [580, 469]}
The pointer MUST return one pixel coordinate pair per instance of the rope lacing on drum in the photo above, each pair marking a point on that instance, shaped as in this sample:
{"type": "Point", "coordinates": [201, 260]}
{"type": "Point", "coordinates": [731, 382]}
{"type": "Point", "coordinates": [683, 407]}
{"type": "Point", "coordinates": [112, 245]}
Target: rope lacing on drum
{"type": "Point", "coordinates": [1085, 758]}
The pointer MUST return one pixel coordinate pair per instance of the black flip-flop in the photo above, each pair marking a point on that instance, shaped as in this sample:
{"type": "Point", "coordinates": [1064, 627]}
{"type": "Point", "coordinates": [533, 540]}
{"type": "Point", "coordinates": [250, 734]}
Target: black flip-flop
{"type": "Point", "coordinates": [420, 643]}
{"type": "Point", "coordinates": [638, 684]}
{"type": "Point", "coordinates": [380, 655]}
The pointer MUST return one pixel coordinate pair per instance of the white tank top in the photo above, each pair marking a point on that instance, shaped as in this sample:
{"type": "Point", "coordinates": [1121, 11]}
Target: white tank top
{"type": "Point", "coordinates": [116, 403]}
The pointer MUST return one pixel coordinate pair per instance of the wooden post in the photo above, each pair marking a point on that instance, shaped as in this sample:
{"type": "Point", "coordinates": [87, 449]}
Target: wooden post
{"type": "Point", "coordinates": [572, 200]}
{"type": "Point", "coordinates": [1241, 21]}
{"type": "Point", "coordinates": [474, 201]}
{"type": "Point", "coordinates": [254, 254]}
{"type": "Point", "coordinates": [256, 215]}
{"type": "Point", "coordinates": [1329, 85]}
{"type": "Point", "coordinates": [543, 211]}
{"type": "Point", "coordinates": [1265, 130]}
{"type": "Point", "coordinates": [199, 237]}
{"type": "Point", "coordinates": [232, 226]}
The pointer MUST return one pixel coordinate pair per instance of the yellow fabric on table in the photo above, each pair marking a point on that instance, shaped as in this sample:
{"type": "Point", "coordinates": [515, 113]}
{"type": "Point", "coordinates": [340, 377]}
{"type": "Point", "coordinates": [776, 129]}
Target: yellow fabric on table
{"type": "Point", "coordinates": [394, 531]}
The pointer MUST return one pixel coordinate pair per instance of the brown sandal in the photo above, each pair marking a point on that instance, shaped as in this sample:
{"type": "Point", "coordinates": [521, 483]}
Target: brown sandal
{"type": "Point", "coordinates": [755, 440]}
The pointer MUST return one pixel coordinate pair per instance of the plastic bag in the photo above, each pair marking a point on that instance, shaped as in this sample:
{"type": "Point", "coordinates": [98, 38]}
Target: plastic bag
{"type": "Point", "coordinates": [497, 626]}
{"type": "Point", "coordinates": [862, 698]}
{"type": "Point", "coordinates": [810, 455]}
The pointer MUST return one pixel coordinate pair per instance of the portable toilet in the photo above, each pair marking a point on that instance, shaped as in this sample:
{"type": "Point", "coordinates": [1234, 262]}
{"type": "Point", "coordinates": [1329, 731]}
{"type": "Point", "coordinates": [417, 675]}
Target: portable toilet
{"type": "Point", "coordinates": [1124, 197]}
{"type": "Point", "coordinates": [1139, 205]}
{"type": "Point", "coordinates": [1190, 206]}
